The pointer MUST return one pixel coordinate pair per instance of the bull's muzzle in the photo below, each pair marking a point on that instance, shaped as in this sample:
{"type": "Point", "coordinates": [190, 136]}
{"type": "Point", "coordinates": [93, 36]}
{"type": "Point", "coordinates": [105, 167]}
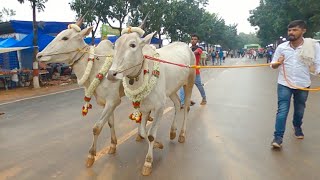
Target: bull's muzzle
{"type": "Point", "coordinates": [113, 75]}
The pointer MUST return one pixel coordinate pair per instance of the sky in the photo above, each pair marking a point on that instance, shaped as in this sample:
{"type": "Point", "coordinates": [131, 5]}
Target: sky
{"type": "Point", "coordinates": [232, 11]}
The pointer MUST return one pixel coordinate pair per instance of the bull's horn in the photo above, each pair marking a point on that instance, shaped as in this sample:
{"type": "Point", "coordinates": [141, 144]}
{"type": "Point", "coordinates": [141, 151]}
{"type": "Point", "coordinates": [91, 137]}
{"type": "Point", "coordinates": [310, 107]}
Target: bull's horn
{"type": "Point", "coordinates": [142, 25]}
{"type": "Point", "coordinates": [80, 21]}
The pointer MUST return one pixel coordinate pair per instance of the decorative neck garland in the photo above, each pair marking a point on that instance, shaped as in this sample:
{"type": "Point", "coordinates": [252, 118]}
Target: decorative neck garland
{"type": "Point", "coordinates": [137, 95]}
{"type": "Point", "coordinates": [95, 83]}
{"type": "Point", "coordinates": [90, 59]}
{"type": "Point", "coordinates": [88, 68]}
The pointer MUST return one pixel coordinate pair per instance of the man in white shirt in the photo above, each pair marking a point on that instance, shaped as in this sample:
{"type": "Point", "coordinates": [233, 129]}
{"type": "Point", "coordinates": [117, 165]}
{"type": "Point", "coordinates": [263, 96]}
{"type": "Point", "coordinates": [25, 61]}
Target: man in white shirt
{"type": "Point", "coordinates": [297, 74]}
{"type": "Point", "coordinates": [254, 54]}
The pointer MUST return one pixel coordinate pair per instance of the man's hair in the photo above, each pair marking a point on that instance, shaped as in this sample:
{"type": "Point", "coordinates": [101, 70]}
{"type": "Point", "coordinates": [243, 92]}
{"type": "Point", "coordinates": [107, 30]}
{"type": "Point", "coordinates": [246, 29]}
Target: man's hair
{"type": "Point", "coordinates": [194, 35]}
{"type": "Point", "coordinates": [298, 23]}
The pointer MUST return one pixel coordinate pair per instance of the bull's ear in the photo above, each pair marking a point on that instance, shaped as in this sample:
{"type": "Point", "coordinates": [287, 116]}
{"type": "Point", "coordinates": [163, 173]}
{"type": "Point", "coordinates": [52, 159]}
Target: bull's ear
{"type": "Point", "coordinates": [147, 39]}
{"type": "Point", "coordinates": [85, 32]}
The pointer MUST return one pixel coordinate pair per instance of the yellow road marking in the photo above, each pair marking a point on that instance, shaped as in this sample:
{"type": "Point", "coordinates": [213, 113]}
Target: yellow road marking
{"type": "Point", "coordinates": [9, 173]}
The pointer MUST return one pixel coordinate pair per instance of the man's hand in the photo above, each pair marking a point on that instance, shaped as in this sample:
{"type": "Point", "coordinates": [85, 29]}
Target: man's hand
{"type": "Point", "coordinates": [280, 61]}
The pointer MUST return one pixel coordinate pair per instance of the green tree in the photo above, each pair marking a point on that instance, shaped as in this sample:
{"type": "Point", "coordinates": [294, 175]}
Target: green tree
{"type": "Point", "coordinates": [36, 5]}
{"type": "Point", "coordinates": [155, 21]}
{"type": "Point", "coordinates": [5, 13]}
{"type": "Point", "coordinates": [91, 11]}
{"type": "Point", "coordinates": [211, 28]}
{"type": "Point", "coordinates": [230, 37]}
{"type": "Point", "coordinates": [310, 12]}
{"type": "Point", "coordinates": [248, 39]}
{"type": "Point", "coordinates": [183, 18]}
{"type": "Point", "coordinates": [265, 16]}
{"type": "Point", "coordinates": [317, 35]}
{"type": "Point", "coordinates": [272, 17]}
{"type": "Point", "coordinates": [106, 11]}
{"type": "Point", "coordinates": [119, 11]}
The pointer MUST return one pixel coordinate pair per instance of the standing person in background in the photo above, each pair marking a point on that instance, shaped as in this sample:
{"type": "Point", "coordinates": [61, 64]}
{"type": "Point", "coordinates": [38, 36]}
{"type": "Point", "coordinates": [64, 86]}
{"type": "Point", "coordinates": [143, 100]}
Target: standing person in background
{"type": "Point", "coordinates": [269, 54]}
{"type": "Point", "coordinates": [231, 53]}
{"type": "Point", "coordinates": [204, 55]}
{"type": "Point", "coordinates": [294, 58]}
{"type": "Point", "coordinates": [238, 53]}
{"type": "Point", "coordinates": [197, 52]}
{"type": "Point", "coordinates": [220, 56]}
{"type": "Point", "coordinates": [224, 56]}
{"type": "Point", "coordinates": [213, 56]}
{"type": "Point", "coordinates": [217, 56]}
{"type": "Point", "coordinates": [254, 54]}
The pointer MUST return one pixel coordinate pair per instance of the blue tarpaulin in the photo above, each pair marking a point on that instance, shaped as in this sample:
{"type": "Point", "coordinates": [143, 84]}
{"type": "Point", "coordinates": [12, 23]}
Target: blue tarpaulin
{"type": "Point", "coordinates": [25, 27]}
{"type": "Point", "coordinates": [8, 42]}
{"type": "Point", "coordinates": [43, 41]}
{"type": "Point", "coordinates": [97, 40]}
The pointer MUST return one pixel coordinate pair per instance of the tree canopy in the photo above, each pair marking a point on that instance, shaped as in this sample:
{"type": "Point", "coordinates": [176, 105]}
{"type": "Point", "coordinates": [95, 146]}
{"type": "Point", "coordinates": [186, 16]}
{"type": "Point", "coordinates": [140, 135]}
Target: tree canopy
{"type": "Point", "coordinates": [5, 12]}
{"type": "Point", "coordinates": [174, 19]}
{"type": "Point", "coordinates": [273, 16]}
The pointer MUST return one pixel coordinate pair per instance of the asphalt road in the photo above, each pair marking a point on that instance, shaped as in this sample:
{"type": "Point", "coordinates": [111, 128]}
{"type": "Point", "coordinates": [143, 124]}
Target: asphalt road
{"type": "Point", "coordinates": [227, 139]}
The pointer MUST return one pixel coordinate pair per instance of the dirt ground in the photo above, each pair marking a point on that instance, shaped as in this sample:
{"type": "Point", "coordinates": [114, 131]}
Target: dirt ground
{"type": "Point", "coordinates": [26, 92]}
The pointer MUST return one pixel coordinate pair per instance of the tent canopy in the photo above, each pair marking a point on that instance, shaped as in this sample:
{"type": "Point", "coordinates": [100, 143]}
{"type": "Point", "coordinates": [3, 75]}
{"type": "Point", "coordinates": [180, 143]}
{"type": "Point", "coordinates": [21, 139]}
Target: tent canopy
{"type": "Point", "coordinates": [11, 44]}
{"type": "Point", "coordinates": [8, 42]}
{"type": "Point", "coordinates": [25, 27]}
{"type": "Point", "coordinates": [43, 41]}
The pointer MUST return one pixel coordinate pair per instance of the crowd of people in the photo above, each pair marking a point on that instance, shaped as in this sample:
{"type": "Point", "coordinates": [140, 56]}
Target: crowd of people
{"type": "Point", "coordinates": [217, 57]}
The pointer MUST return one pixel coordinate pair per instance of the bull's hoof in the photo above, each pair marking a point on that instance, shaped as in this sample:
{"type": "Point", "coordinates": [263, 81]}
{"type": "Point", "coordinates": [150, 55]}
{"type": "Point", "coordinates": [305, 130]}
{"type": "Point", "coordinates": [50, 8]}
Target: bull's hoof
{"type": "Point", "coordinates": [173, 135]}
{"type": "Point", "coordinates": [146, 170]}
{"type": "Point", "coordinates": [112, 150]}
{"type": "Point", "coordinates": [139, 138]}
{"type": "Point", "coordinates": [90, 161]}
{"type": "Point", "coordinates": [150, 119]}
{"type": "Point", "coordinates": [158, 145]}
{"type": "Point", "coordinates": [181, 139]}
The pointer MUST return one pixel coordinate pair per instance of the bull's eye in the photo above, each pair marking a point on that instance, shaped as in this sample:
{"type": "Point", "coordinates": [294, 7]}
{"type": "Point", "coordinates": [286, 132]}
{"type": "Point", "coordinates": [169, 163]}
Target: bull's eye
{"type": "Point", "coordinates": [132, 45]}
{"type": "Point", "coordinates": [65, 38]}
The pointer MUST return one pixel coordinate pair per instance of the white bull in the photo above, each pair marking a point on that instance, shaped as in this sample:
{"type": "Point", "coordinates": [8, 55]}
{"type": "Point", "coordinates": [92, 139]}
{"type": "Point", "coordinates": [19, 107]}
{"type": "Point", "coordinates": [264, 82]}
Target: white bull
{"type": "Point", "coordinates": [129, 62]}
{"type": "Point", "coordinates": [69, 47]}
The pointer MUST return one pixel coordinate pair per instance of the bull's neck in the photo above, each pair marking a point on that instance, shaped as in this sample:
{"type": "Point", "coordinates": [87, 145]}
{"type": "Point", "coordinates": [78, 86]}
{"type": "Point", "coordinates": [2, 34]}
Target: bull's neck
{"type": "Point", "coordinates": [138, 82]}
{"type": "Point", "coordinates": [80, 66]}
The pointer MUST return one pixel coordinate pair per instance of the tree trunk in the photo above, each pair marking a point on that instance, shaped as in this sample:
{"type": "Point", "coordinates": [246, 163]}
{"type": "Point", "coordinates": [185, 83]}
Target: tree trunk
{"type": "Point", "coordinates": [35, 48]}
{"type": "Point", "coordinates": [120, 29]}
{"type": "Point", "coordinates": [160, 40]}
{"type": "Point", "coordinates": [92, 38]}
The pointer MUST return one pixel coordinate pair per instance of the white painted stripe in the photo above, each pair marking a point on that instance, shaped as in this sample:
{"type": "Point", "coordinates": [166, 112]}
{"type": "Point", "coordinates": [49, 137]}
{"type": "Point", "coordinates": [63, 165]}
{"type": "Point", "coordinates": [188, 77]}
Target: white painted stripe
{"type": "Point", "coordinates": [34, 97]}
{"type": "Point", "coordinates": [124, 138]}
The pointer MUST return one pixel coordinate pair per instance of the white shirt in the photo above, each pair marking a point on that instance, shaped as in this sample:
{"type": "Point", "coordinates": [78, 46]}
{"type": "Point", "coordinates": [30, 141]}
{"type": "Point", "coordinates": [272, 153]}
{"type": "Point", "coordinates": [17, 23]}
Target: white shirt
{"type": "Point", "coordinates": [224, 53]}
{"type": "Point", "coordinates": [297, 72]}
{"type": "Point", "coordinates": [254, 53]}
